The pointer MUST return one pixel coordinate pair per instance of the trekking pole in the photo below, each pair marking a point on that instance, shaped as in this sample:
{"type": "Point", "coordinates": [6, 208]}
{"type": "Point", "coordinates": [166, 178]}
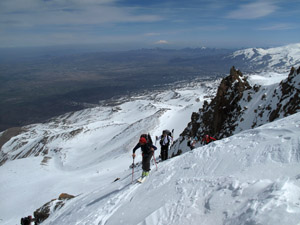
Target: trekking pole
{"type": "Point", "coordinates": [154, 160]}
{"type": "Point", "coordinates": [132, 170]}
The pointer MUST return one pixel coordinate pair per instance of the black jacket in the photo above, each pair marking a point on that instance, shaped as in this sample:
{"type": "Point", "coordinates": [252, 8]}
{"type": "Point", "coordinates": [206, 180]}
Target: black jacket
{"type": "Point", "coordinates": [146, 148]}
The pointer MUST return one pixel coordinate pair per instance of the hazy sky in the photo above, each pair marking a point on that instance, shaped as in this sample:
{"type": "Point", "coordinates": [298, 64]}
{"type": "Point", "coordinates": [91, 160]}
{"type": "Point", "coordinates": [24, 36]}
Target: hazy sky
{"type": "Point", "coordinates": [150, 23]}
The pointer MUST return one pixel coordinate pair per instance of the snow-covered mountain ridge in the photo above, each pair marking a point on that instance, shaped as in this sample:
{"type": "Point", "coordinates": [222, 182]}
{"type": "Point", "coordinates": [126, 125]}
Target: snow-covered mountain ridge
{"type": "Point", "coordinates": [225, 183]}
{"type": "Point", "coordinates": [128, 119]}
{"type": "Point", "coordinates": [239, 106]}
{"type": "Point", "coordinates": [279, 59]}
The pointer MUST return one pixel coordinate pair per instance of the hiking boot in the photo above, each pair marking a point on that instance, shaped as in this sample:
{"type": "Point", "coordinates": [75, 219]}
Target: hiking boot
{"type": "Point", "coordinates": [145, 173]}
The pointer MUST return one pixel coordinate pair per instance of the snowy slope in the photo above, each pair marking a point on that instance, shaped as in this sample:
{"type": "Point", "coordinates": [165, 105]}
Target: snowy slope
{"type": "Point", "coordinates": [279, 59]}
{"type": "Point", "coordinates": [270, 98]}
{"type": "Point", "coordinates": [250, 178]}
{"type": "Point", "coordinates": [82, 151]}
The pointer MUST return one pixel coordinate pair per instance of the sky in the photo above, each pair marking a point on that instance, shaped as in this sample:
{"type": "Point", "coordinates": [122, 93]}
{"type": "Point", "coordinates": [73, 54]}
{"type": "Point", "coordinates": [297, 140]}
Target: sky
{"type": "Point", "coordinates": [150, 23]}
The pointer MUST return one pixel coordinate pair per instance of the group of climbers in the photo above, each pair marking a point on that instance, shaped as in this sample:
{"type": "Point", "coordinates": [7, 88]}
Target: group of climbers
{"type": "Point", "coordinates": [147, 148]}
{"type": "Point", "coordinates": [205, 140]}
{"type": "Point", "coordinates": [165, 140]}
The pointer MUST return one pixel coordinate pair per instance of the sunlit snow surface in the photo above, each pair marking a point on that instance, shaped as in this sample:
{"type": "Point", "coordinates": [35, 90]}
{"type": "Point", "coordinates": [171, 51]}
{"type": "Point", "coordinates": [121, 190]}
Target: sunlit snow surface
{"type": "Point", "coordinates": [250, 178]}
{"type": "Point", "coordinates": [269, 79]}
{"type": "Point", "coordinates": [279, 58]}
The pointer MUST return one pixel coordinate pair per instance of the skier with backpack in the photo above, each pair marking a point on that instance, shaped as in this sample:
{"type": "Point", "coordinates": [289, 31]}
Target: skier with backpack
{"type": "Point", "coordinates": [165, 139]}
{"type": "Point", "coordinates": [27, 220]}
{"type": "Point", "coordinates": [207, 139]}
{"type": "Point", "coordinates": [147, 148]}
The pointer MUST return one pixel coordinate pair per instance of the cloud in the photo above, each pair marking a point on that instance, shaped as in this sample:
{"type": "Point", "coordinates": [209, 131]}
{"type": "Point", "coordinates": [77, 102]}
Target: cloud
{"type": "Point", "coordinates": [70, 12]}
{"type": "Point", "coordinates": [61, 21]}
{"type": "Point", "coordinates": [253, 10]}
{"type": "Point", "coordinates": [280, 26]}
{"type": "Point", "coordinates": [162, 42]}
{"type": "Point", "coordinates": [152, 34]}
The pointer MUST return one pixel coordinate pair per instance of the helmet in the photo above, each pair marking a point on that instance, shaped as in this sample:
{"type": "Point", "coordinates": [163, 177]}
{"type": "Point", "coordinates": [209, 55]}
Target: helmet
{"type": "Point", "coordinates": [206, 136]}
{"type": "Point", "coordinates": [143, 140]}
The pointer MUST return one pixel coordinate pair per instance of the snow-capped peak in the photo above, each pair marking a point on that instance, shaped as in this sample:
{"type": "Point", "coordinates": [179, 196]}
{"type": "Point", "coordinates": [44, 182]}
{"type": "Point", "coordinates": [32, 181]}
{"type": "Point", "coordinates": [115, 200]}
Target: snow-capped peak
{"type": "Point", "coordinates": [271, 59]}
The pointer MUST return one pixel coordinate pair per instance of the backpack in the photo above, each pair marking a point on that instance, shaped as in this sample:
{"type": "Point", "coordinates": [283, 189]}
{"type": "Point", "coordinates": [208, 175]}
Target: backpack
{"type": "Point", "coordinates": [25, 221]}
{"type": "Point", "coordinates": [167, 132]}
{"type": "Point", "coordinates": [148, 138]}
{"type": "Point", "coordinates": [189, 143]}
{"type": "Point", "coordinates": [162, 140]}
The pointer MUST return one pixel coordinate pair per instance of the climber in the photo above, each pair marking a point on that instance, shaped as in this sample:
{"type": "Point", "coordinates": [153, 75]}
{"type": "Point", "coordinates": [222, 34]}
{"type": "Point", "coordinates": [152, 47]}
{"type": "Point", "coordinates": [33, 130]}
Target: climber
{"type": "Point", "coordinates": [207, 139]}
{"type": "Point", "coordinates": [147, 152]}
{"type": "Point", "coordinates": [165, 140]}
{"type": "Point", "coordinates": [27, 220]}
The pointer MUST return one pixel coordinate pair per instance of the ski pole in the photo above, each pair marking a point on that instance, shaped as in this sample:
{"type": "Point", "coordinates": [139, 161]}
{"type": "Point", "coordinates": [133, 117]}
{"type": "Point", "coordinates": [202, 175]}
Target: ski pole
{"type": "Point", "coordinates": [154, 160]}
{"type": "Point", "coordinates": [132, 170]}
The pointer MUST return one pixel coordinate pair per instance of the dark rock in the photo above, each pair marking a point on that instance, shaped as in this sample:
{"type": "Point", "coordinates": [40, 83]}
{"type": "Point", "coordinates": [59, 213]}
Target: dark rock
{"type": "Point", "coordinates": [221, 110]}
{"type": "Point", "coordinates": [65, 196]}
{"type": "Point", "coordinates": [44, 212]}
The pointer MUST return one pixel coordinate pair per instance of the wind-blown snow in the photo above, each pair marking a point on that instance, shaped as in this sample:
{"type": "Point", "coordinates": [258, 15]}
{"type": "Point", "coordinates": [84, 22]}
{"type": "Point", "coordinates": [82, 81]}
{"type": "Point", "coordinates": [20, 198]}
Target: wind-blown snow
{"type": "Point", "coordinates": [250, 178]}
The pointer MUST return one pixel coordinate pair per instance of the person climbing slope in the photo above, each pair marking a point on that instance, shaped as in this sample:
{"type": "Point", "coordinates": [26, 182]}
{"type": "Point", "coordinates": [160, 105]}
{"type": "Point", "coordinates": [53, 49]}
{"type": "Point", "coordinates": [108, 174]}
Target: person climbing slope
{"type": "Point", "coordinates": [27, 220]}
{"type": "Point", "coordinates": [192, 142]}
{"type": "Point", "coordinates": [165, 140]}
{"type": "Point", "coordinates": [207, 139]}
{"type": "Point", "coordinates": [147, 153]}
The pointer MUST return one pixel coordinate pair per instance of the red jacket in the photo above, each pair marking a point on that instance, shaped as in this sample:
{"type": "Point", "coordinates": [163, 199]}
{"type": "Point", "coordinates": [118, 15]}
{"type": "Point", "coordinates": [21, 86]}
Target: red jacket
{"type": "Point", "coordinates": [208, 139]}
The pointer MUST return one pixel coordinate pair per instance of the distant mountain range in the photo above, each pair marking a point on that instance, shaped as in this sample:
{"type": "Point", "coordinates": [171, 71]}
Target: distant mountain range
{"type": "Point", "coordinates": [279, 59]}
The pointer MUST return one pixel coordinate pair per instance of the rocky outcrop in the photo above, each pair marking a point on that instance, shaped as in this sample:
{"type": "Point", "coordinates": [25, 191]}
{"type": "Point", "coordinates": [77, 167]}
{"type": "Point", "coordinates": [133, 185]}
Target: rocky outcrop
{"type": "Point", "coordinates": [289, 98]}
{"type": "Point", "coordinates": [238, 106]}
{"type": "Point", "coordinates": [217, 118]}
{"type": "Point", "coordinates": [46, 210]}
